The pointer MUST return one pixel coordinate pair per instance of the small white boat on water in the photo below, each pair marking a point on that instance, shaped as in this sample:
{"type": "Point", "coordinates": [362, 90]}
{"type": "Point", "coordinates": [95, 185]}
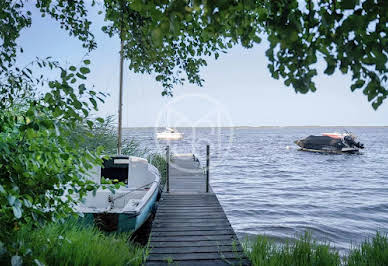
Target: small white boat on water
{"type": "Point", "coordinates": [169, 134]}
{"type": "Point", "coordinates": [129, 206]}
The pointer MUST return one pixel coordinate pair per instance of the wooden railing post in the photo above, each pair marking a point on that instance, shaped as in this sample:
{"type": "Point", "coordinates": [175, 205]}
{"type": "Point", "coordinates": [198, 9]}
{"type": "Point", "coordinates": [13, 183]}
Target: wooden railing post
{"type": "Point", "coordinates": [207, 166]}
{"type": "Point", "coordinates": [168, 167]}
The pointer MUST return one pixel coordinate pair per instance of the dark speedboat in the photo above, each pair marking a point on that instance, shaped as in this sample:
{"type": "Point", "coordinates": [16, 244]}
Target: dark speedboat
{"type": "Point", "coordinates": [330, 143]}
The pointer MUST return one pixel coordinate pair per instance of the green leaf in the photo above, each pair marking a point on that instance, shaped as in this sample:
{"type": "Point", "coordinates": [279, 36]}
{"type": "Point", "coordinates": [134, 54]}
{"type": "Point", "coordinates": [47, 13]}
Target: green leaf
{"type": "Point", "coordinates": [156, 36]}
{"type": "Point", "coordinates": [27, 203]}
{"type": "Point", "coordinates": [93, 101]}
{"type": "Point", "coordinates": [348, 4]}
{"type": "Point", "coordinates": [330, 69]}
{"type": "Point", "coordinates": [80, 76]}
{"type": "Point", "coordinates": [90, 124]}
{"type": "Point", "coordinates": [87, 62]}
{"type": "Point", "coordinates": [84, 70]}
{"type": "Point", "coordinates": [11, 199]}
{"type": "Point", "coordinates": [358, 84]}
{"type": "Point", "coordinates": [17, 212]}
{"type": "Point", "coordinates": [16, 261]}
{"type": "Point", "coordinates": [72, 68]}
{"type": "Point", "coordinates": [77, 104]}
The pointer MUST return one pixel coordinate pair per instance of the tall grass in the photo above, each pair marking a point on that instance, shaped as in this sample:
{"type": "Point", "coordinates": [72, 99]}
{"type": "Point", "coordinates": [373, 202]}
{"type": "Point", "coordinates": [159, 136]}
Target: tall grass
{"type": "Point", "coordinates": [101, 134]}
{"type": "Point", "coordinates": [160, 162]}
{"type": "Point", "coordinates": [74, 244]}
{"type": "Point", "coordinates": [370, 252]}
{"type": "Point", "coordinates": [305, 251]}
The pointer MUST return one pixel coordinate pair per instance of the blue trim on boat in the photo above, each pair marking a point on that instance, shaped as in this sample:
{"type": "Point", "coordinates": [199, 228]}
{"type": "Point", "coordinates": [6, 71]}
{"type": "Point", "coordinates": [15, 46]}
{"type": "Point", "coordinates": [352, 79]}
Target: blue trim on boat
{"type": "Point", "coordinates": [146, 210]}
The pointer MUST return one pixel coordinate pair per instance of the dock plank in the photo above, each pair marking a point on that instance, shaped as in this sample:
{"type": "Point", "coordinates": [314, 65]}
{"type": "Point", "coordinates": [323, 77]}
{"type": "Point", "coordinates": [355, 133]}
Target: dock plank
{"type": "Point", "coordinates": [210, 232]}
{"type": "Point", "coordinates": [206, 243]}
{"type": "Point", "coordinates": [203, 249]}
{"type": "Point", "coordinates": [195, 256]}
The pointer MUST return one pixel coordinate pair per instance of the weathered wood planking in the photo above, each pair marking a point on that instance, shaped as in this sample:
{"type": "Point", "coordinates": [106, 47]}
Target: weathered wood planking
{"type": "Point", "coordinates": [190, 226]}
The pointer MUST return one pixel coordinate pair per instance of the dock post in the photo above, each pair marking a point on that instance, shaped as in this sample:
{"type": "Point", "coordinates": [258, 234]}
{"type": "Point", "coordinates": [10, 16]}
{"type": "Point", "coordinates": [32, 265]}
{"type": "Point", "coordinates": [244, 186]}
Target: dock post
{"type": "Point", "coordinates": [207, 166]}
{"type": "Point", "coordinates": [168, 168]}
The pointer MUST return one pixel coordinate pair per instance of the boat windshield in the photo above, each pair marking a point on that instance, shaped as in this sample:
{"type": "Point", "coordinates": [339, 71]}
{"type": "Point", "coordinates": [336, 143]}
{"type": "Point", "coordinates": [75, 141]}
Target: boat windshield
{"type": "Point", "coordinates": [170, 130]}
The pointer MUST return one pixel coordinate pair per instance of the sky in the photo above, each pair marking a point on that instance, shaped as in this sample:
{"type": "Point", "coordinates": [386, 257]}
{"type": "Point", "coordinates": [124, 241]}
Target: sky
{"type": "Point", "coordinates": [238, 88]}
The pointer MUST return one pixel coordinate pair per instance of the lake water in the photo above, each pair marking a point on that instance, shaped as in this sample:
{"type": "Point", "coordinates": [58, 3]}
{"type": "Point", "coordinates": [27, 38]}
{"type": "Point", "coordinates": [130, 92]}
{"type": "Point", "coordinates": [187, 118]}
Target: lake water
{"type": "Point", "coordinates": [267, 186]}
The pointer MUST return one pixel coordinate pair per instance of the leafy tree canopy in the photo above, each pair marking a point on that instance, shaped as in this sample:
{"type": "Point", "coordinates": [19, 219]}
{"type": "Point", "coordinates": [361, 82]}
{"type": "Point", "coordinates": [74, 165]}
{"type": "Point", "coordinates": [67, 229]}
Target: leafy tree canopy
{"type": "Point", "coordinates": [349, 35]}
{"type": "Point", "coordinates": [173, 38]}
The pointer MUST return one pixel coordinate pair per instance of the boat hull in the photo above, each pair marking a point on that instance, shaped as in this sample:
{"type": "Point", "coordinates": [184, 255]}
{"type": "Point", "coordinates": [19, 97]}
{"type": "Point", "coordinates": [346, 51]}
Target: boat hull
{"type": "Point", "coordinates": [170, 136]}
{"type": "Point", "coordinates": [352, 151]}
{"type": "Point", "coordinates": [121, 222]}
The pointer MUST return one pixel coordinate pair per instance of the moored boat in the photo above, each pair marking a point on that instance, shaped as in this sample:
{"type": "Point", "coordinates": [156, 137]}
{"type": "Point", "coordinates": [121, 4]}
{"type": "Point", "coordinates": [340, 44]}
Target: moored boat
{"type": "Point", "coordinates": [330, 143]}
{"type": "Point", "coordinates": [128, 207]}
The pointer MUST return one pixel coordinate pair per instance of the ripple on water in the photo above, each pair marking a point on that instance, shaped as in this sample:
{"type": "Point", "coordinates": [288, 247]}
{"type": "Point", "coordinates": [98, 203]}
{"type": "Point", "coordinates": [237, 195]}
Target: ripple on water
{"type": "Point", "coordinates": [266, 188]}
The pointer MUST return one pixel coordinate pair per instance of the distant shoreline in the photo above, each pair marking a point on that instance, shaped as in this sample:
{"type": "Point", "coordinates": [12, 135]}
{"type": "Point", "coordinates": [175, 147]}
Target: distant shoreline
{"type": "Point", "coordinates": [270, 127]}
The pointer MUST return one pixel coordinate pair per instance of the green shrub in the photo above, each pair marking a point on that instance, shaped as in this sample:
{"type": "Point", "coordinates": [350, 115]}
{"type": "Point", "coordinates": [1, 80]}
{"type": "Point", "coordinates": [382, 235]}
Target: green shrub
{"type": "Point", "coordinates": [40, 170]}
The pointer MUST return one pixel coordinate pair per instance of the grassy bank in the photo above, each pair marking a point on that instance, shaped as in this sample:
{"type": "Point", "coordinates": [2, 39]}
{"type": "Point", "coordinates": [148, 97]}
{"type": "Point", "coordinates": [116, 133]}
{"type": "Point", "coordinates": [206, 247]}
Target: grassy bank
{"type": "Point", "coordinates": [74, 244]}
{"type": "Point", "coordinates": [306, 251]}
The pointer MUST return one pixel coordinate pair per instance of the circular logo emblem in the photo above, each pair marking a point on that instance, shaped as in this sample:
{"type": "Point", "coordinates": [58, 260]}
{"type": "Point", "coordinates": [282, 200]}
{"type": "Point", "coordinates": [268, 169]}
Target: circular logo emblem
{"type": "Point", "coordinates": [187, 131]}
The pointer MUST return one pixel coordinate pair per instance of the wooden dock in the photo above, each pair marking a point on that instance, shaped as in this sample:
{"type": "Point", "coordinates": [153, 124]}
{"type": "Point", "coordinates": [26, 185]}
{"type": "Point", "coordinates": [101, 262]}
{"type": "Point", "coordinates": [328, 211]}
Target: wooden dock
{"type": "Point", "coordinates": [190, 226]}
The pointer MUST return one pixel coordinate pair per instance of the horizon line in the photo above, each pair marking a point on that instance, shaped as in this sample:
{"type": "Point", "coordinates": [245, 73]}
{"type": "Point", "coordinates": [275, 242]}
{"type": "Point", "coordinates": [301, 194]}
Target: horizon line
{"type": "Point", "coordinates": [307, 126]}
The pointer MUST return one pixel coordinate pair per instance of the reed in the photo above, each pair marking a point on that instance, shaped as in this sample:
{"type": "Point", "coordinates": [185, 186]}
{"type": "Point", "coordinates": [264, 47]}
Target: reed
{"type": "Point", "coordinates": [305, 251]}
{"type": "Point", "coordinates": [159, 161]}
{"type": "Point", "coordinates": [371, 252]}
{"type": "Point", "coordinates": [74, 244]}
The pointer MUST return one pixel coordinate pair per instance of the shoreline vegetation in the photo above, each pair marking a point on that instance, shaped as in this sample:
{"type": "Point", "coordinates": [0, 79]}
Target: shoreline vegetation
{"type": "Point", "coordinates": [306, 251]}
{"type": "Point", "coordinates": [72, 243]}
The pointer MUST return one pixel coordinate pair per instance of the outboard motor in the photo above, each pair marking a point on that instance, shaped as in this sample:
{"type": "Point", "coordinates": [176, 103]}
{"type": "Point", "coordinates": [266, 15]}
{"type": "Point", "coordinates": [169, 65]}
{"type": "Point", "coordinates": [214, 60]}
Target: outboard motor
{"type": "Point", "coordinates": [349, 140]}
{"type": "Point", "coordinates": [359, 145]}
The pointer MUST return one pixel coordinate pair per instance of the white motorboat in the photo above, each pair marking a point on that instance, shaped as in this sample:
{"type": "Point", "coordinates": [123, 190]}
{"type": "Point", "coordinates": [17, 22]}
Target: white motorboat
{"type": "Point", "coordinates": [169, 134]}
{"type": "Point", "coordinates": [128, 207]}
